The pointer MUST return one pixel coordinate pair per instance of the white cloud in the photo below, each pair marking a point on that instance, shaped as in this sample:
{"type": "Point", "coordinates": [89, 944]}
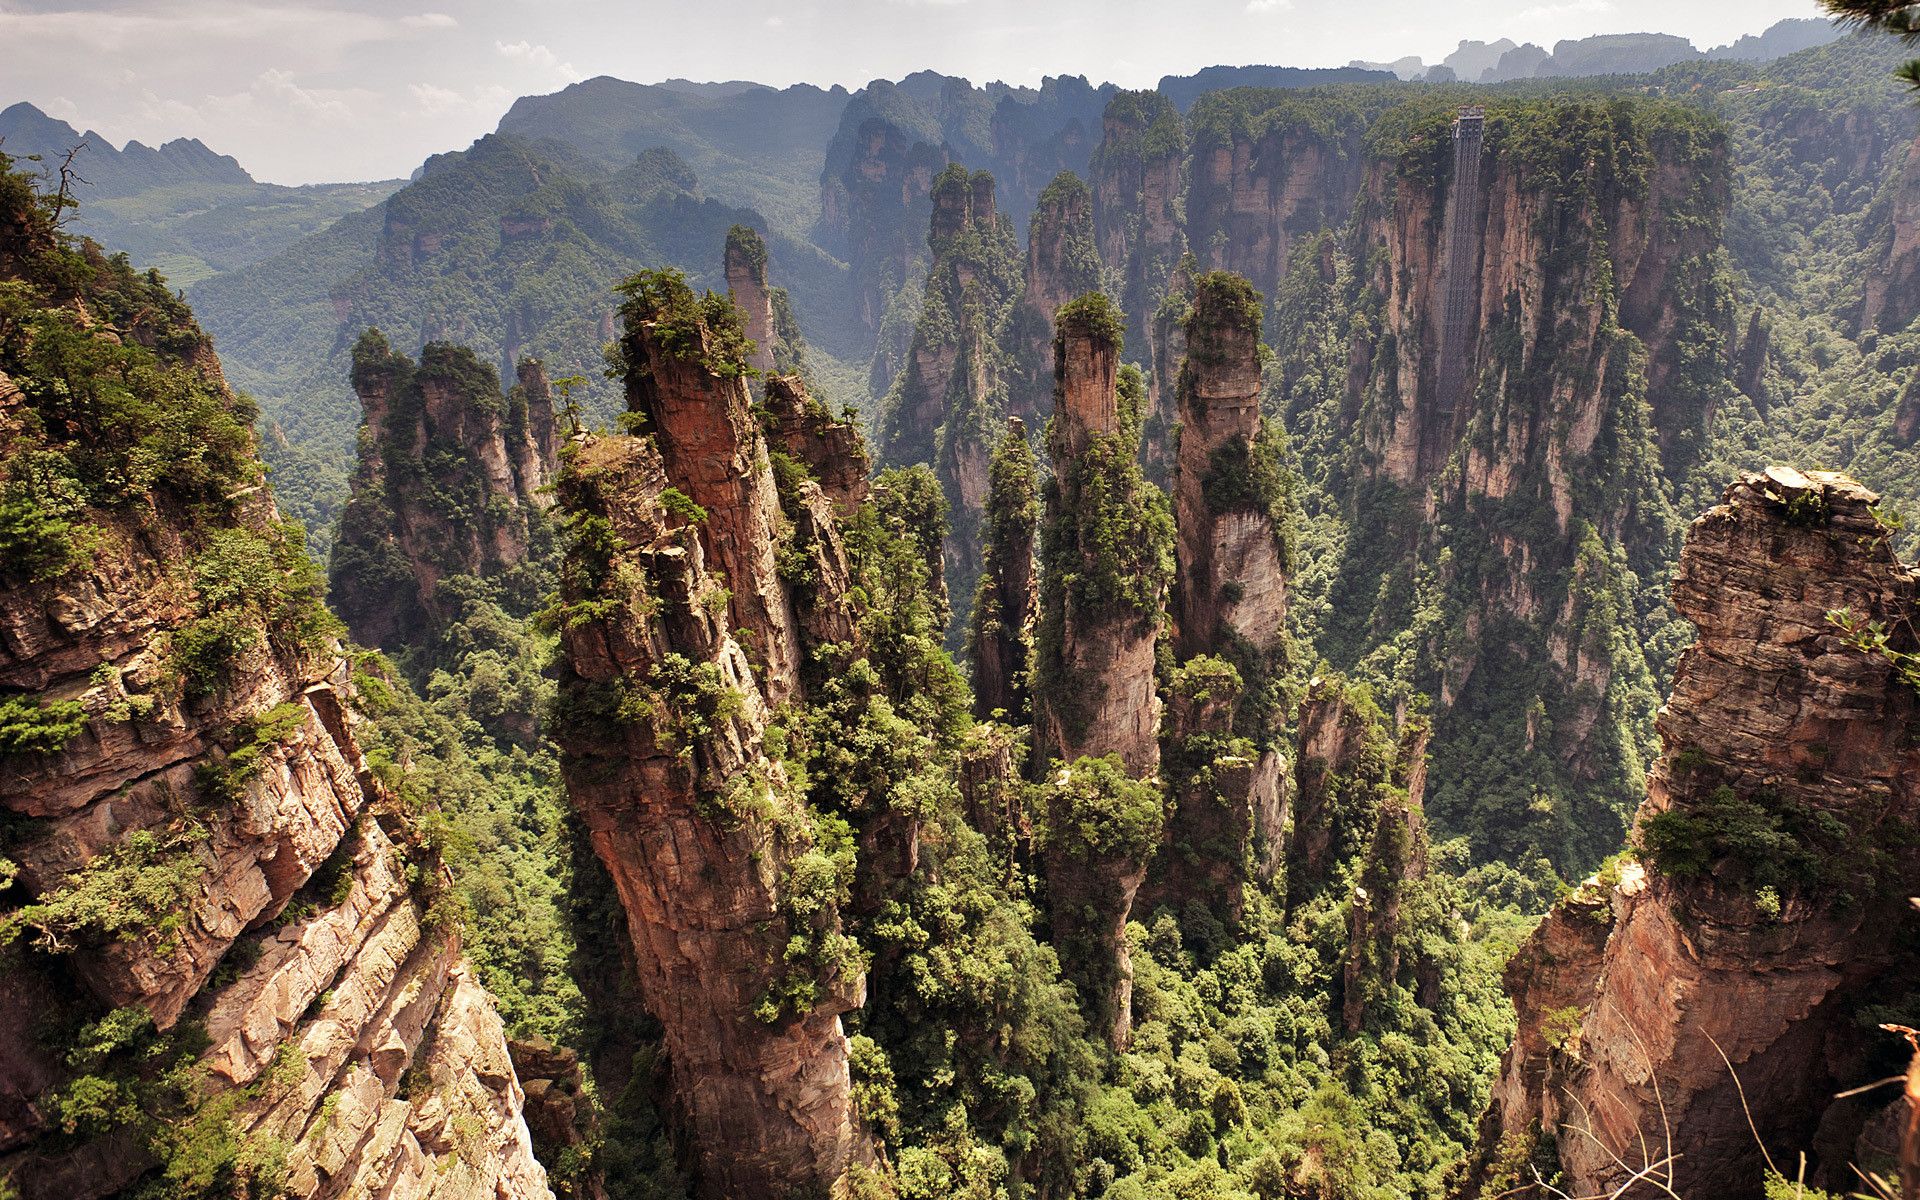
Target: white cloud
{"type": "Point", "coordinates": [1268, 6]}
{"type": "Point", "coordinates": [775, 22]}
{"type": "Point", "coordinates": [1553, 12]}
{"type": "Point", "coordinates": [436, 101]}
{"type": "Point", "coordinates": [432, 20]}
{"type": "Point", "coordinates": [536, 55]}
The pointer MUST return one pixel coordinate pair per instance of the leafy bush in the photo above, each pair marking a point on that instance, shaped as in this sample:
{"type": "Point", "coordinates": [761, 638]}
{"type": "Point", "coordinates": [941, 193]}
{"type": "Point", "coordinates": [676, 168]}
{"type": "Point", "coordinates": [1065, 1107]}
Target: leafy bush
{"type": "Point", "coordinates": [29, 725]}
{"type": "Point", "coordinates": [137, 890]}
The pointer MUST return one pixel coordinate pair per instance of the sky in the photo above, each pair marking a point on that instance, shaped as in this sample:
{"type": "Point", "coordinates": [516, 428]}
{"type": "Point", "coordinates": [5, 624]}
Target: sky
{"type": "Point", "coordinates": [366, 89]}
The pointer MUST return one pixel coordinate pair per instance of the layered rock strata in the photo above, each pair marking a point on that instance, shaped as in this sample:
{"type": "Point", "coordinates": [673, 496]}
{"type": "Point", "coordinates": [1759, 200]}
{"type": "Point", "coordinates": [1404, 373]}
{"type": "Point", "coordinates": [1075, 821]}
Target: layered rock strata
{"type": "Point", "coordinates": [1680, 1012]}
{"type": "Point", "coordinates": [205, 874]}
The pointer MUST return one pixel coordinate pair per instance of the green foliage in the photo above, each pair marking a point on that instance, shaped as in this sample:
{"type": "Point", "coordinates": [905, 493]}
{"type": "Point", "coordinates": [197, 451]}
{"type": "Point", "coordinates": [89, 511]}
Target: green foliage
{"type": "Point", "coordinates": [681, 507]}
{"type": "Point", "coordinates": [30, 725]}
{"type": "Point", "coordinates": [1093, 316]}
{"type": "Point", "coordinates": [248, 585]}
{"type": "Point", "coordinates": [137, 890]}
{"type": "Point", "coordinates": [1095, 811]}
{"type": "Point", "coordinates": [133, 1081]}
{"type": "Point", "coordinates": [225, 779]}
{"type": "Point", "coordinates": [1771, 842]}
{"type": "Point", "coordinates": [706, 329]}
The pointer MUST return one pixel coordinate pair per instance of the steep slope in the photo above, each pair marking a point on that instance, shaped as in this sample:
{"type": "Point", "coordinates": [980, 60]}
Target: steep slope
{"type": "Point", "coordinates": [1270, 168]}
{"type": "Point", "coordinates": [1137, 176]}
{"type": "Point", "coordinates": [1105, 555]}
{"type": "Point", "coordinates": [1705, 1000]}
{"type": "Point", "coordinates": [228, 962]}
{"type": "Point", "coordinates": [949, 402]}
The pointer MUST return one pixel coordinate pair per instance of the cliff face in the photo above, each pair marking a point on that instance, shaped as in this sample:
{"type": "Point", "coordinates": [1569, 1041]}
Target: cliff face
{"type": "Point", "coordinates": [1231, 583]}
{"type": "Point", "coordinates": [1473, 239]}
{"type": "Point", "coordinates": [1768, 906]}
{"type": "Point", "coordinates": [1228, 610]}
{"type": "Point", "coordinates": [1533, 278]}
{"type": "Point", "coordinates": [1269, 169]}
{"type": "Point", "coordinates": [223, 965]}
{"type": "Point", "coordinates": [1893, 279]}
{"type": "Point", "coordinates": [1137, 183]}
{"type": "Point", "coordinates": [696, 404]}
{"type": "Point", "coordinates": [1107, 528]}
{"type": "Point", "coordinates": [450, 482]}
{"type": "Point", "coordinates": [710, 847]}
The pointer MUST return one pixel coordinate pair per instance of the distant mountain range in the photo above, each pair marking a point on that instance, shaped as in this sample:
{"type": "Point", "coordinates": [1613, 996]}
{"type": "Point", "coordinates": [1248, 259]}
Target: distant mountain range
{"type": "Point", "coordinates": [512, 246]}
{"type": "Point", "coordinates": [183, 208]}
{"type": "Point", "coordinates": [1605, 54]}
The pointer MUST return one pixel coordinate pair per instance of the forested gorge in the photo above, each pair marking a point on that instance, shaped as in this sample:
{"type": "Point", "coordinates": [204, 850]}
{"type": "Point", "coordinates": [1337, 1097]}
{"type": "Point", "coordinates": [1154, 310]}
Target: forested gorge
{"type": "Point", "coordinates": [1306, 675]}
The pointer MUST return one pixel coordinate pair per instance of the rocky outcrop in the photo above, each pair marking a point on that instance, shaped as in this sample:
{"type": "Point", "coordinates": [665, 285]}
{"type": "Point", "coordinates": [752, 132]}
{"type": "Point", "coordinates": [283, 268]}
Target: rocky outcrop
{"type": "Point", "coordinates": [1718, 980]}
{"type": "Point", "coordinates": [1269, 168]}
{"type": "Point", "coordinates": [1893, 271]}
{"type": "Point", "coordinates": [206, 882]}
{"type": "Point", "coordinates": [696, 403]}
{"type": "Point", "coordinates": [1137, 181]}
{"type": "Point", "coordinates": [831, 449]}
{"type": "Point", "coordinates": [745, 261]}
{"type": "Point", "coordinates": [1000, 631]}
{"type": "Point", "coordinates": [561, 1114]}
{"type": "Point", "coordinates": [451, 480]}
{"type": "Point", "coordinates": [739, 953]}
{"type": "Point", "coordinates": [1231, 585]}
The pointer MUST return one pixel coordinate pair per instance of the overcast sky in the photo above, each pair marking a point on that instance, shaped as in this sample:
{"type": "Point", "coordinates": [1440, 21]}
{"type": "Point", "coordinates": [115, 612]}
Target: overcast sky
{"type": "Point", "coordinates": [365, 89]}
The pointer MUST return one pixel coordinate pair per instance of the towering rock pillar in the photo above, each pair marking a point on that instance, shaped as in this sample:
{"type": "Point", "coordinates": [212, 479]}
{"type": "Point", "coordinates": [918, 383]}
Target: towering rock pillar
{"type": "Point", "coordinates": [1231, 583]}
{"type": "Point", "coordinates": [1063, 262]}
{"type": "Point", "coordinates": [663, 715]}
{"type": "Point", "coordinates": [451, 481]}
{"type": "Point", "coordinates": [1105, 563]}
{"type": "Point", "coordinates": [746, 267]}
{"type": "Point", "coordinates": [1000, 634]}
{"type": "Point", "coordinates": [948, 405]}
{"type": "Point", "coordinates": [1768, 906]}
{"type": "Point", "coordinates": [685, 376]}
